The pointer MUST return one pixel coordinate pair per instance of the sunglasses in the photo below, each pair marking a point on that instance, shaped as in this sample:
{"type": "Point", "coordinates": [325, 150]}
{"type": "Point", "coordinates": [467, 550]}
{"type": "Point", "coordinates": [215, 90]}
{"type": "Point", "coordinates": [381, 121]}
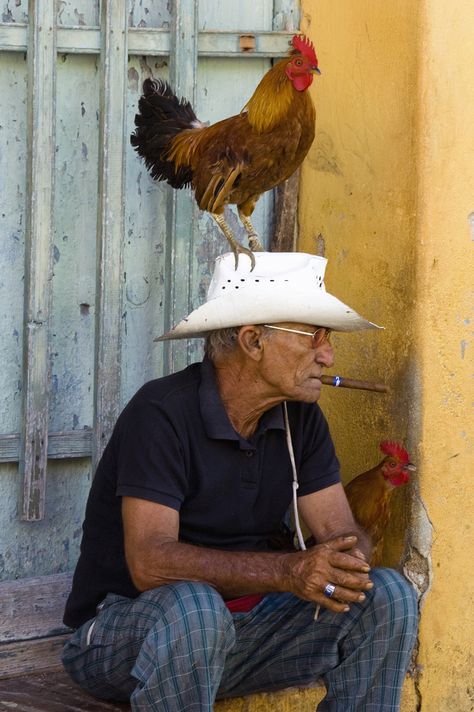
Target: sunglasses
{"type": "Point", "coordinates": [318, 337]}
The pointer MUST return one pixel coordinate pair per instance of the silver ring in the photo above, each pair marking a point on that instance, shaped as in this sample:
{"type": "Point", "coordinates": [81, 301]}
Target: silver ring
{"type": "Point", "coordinates": [329, 590]}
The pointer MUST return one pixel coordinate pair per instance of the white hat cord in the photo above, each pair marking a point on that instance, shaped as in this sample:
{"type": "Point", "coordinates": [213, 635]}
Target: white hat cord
{"type": "Point", "coordinates": [291, 453]}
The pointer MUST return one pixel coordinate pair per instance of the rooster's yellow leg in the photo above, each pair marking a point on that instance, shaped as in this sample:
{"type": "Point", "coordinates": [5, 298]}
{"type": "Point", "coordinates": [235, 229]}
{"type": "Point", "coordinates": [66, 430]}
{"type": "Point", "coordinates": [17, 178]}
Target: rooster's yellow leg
{"type": "Point", "coordinates": [254, 240]}
{"type": "Point", "coordinates": [236, 247]}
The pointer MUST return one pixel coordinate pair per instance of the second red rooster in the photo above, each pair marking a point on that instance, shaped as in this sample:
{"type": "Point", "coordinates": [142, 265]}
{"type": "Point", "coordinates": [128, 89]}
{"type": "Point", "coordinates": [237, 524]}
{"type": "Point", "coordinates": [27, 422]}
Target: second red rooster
{"type": "Point", "coordinates": [369, 493]}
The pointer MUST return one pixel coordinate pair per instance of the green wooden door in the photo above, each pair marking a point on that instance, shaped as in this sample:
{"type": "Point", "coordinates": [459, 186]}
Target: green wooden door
{"type": "Point", "coordinates": [95, 258]}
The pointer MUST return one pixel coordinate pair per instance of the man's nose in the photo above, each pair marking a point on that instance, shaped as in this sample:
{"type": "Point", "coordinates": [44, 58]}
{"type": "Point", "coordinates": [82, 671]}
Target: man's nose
{"type": "Point", "coordinates": [324, 355]}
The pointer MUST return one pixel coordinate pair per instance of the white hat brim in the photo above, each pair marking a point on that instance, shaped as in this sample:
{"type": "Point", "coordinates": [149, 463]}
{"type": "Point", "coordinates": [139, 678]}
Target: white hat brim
{"type": "Point", "coordinates": [238, 309]}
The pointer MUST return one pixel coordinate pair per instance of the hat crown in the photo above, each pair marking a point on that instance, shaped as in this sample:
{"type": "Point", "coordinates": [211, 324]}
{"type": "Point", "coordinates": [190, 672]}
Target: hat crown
{"type": "Point", "coordinates": [271, 268]}
{"type": "Point", "coordinates": [282, 287]}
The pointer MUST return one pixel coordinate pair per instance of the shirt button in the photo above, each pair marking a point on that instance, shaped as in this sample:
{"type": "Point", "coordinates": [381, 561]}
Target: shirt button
{"type": "Point", "coordinates": [249, 453]}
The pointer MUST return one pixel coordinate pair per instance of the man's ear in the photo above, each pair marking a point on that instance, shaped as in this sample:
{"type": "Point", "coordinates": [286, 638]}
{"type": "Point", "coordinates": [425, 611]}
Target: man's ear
{"type": "Point", "coordinates": [250, 341]}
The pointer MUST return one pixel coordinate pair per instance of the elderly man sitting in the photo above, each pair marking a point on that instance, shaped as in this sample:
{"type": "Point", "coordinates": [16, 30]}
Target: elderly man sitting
{"type": "Point", "coordinates": [179, 596]}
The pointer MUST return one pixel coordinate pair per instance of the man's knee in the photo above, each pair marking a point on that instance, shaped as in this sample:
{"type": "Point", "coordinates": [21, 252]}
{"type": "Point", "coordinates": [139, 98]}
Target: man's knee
{"type": "Point", "coordinates": [196, 606]}
{"type": "Point", "coordinates": [394, 598]}
{"type": "Point", "coordinates": [188, 595]}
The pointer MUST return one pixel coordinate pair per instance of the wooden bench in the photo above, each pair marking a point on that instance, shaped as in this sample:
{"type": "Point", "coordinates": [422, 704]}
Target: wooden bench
{"type": "Point", "coordinates": [31, 638]}
{"type": "Point", "coordinates": [31, 676]}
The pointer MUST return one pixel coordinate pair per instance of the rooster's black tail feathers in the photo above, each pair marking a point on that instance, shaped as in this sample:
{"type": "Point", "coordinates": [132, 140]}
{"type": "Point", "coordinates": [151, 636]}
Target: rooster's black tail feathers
{"type": "Point", "coordinates": [162, 117]}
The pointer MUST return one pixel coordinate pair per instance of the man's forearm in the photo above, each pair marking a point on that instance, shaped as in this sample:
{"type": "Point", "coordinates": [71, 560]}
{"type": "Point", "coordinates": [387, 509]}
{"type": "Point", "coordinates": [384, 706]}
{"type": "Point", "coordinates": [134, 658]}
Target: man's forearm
{"type": "Point", "coordinates": [231, 573]}
{"type": "Point", "coordinates": [303, 573]}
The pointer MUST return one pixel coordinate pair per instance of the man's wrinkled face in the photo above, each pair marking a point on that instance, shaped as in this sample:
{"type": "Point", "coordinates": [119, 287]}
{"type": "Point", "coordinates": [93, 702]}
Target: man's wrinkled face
{"type": "Point", "coordinates": [294, 362]}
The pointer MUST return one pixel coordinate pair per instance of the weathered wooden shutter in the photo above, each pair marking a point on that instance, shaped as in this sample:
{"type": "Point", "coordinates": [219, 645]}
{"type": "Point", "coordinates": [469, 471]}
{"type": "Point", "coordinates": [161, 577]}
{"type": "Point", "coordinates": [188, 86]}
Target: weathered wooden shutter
{"type": "Point", "coordinates": [95, 258]}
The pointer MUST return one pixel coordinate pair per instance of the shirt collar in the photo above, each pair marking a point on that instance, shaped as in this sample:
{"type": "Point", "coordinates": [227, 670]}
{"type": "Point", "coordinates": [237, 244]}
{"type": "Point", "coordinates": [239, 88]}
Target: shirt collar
{"type": "Point", "coordinates": [214, 415]}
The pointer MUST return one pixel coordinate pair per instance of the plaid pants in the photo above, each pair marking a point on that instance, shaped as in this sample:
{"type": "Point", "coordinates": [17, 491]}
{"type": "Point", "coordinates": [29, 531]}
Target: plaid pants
{"type": "Point", "coordinates": [178, 648]}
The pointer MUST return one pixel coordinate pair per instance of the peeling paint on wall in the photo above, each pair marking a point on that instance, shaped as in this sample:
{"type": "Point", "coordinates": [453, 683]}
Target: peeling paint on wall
{"type": "Point", "coordinates": [417, 565]}
{"type": "Point", "coordinates": [471, 224]}
{"type": "Point", "coordinates": [149, 13]}
{"type": "Point", "coordinates": [79, 13]}
{"type": "Point", "coordinates": [15, 11]}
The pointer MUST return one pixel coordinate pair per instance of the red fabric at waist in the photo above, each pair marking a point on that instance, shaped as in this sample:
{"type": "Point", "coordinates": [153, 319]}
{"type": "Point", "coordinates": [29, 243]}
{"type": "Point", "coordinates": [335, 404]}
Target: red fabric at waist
{"type": "Point", "coordinates": [244, 603]}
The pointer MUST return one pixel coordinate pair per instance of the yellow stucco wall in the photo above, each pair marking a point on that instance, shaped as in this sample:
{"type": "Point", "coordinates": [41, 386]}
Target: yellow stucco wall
{"type": "Point", "coordinates": [357, 207]}
{"type": "Point", "coordinates": [387, 194]}
{"type": "Point", "coordinates": [444, 328]}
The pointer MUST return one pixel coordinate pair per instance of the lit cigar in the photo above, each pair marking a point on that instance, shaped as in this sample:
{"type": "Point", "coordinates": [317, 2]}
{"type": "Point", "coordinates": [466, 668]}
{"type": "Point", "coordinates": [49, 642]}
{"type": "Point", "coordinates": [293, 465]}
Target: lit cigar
{"type": "Point", "coordinates": [342, 382]}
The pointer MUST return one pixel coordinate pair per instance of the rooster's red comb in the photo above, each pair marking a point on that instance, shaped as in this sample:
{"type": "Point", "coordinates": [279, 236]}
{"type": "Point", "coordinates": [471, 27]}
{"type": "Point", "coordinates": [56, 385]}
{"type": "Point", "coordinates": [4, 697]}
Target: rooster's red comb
{"type": "Point", "coordinates": [389, 447]}
{"type": "Point", "coordinates": [303, 45]}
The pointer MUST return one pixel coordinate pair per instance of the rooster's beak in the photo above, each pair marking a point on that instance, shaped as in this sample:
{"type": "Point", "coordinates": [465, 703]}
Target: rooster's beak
{"type": "Point", "coordinates": [317, 70]}
{"type": "Point", "coordinates": [410, 467]}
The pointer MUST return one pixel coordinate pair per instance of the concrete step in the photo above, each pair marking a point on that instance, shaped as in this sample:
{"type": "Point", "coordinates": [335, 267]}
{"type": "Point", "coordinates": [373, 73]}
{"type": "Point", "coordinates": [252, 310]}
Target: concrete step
{"type": "Point", "coordinates": [301, 699]}
{"type": "Point", "coordinates": [55, 692]}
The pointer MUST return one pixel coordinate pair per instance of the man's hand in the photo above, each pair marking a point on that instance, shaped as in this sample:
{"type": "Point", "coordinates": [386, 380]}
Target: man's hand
{"type": "Point", "coordinates": [337, 561]}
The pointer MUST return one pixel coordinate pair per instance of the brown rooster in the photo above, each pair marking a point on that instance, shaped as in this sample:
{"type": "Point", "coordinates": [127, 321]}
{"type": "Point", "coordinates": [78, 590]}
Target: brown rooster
{"type": "Point", "coordinates": [235, 160]}
{"type": "Point", "coordinates": [369, 493]}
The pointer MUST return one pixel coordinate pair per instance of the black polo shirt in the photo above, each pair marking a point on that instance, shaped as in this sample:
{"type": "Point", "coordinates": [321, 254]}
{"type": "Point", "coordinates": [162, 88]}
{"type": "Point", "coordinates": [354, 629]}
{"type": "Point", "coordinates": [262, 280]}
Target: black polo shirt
{"type": "Point", "coordinates": [174, 444]}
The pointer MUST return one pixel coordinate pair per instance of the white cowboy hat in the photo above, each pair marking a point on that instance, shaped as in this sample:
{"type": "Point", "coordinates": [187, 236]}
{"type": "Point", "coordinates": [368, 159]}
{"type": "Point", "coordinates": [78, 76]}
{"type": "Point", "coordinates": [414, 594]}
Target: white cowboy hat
{"type": "Point", "coordinates": [282, 287]}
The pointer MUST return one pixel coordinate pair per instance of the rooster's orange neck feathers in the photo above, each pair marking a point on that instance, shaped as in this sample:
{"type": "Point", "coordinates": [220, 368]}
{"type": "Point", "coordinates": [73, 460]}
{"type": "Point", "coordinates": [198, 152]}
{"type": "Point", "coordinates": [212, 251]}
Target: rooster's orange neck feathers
{"type": "Point", "coordinates": [273, 99]}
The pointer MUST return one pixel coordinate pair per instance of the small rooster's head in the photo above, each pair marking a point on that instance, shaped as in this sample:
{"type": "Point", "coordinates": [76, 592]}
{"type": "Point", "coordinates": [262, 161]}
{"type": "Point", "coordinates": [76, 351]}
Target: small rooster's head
{"type": "Point", "coordinates": [302, 64]}
{"type": "Point", "coordinates": [396, 466]}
